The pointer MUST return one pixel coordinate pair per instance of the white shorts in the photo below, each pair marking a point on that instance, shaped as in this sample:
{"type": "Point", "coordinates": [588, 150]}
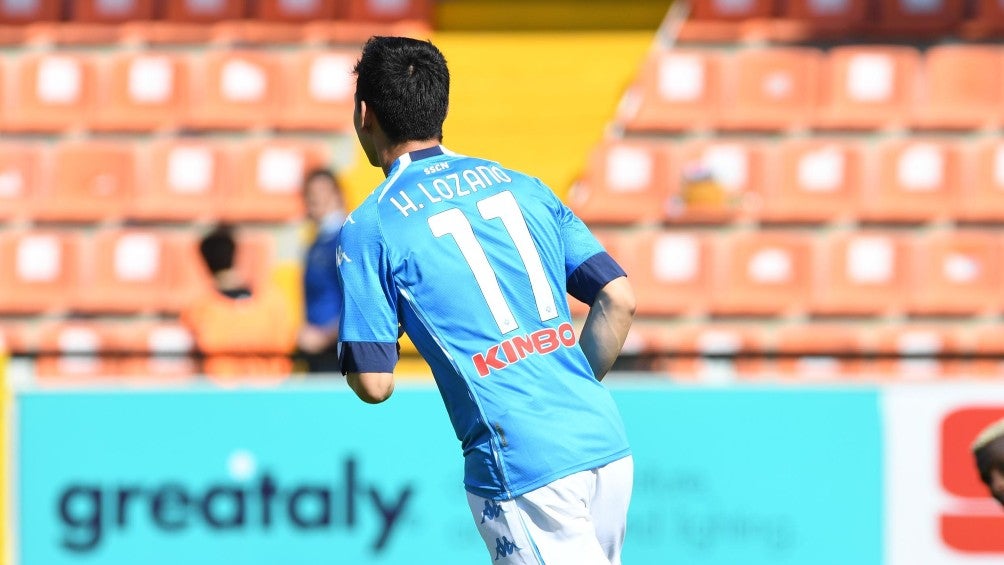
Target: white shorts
{"type": "Point", "coordinates": [576, 520]}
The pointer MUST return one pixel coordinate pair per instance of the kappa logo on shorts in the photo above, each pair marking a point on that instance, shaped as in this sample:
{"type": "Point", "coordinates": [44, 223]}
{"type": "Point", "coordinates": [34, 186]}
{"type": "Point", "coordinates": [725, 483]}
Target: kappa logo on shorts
{"type": "Point", "coordinates": [968, 531]}
{"type": "Point", "coordinates": [504, 547]}
{"type": "Point", "coordinates": [492, 510]}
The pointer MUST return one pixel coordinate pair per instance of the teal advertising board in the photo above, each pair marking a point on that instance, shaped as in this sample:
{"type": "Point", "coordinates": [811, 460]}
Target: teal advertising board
{"type": "Point", "coordinates": [312, 475]}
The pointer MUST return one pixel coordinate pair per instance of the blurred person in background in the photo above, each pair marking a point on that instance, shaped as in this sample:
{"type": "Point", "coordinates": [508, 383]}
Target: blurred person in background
{"type": "Point", "coordinates": [988, 449]}
{"type": "Point", "coordinates": [239, 329]}
{"type": "Point", "coordinates": [318, 338]}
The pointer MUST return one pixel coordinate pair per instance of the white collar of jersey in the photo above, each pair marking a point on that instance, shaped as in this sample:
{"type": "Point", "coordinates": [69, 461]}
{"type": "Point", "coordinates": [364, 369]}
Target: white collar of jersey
{"type": "Point", "coordinates": [419, 154]}
{"type": "Point", "coordinates": [403, 161]}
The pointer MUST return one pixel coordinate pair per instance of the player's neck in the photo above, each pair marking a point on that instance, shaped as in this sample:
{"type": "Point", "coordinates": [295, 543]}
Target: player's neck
{"type": "Point", "coordinates": [390, 154]}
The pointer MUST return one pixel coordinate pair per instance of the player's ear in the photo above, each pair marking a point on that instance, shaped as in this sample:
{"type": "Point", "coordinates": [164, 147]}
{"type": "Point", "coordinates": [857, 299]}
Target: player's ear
{"type": "Point", "coordinates": [366, 118]}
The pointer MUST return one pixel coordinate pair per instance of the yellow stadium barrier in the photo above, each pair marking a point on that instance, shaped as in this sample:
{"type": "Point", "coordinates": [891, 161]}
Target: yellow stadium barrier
{"type": "Point", "coordinates": [5, 464]}
{"type": "Point", "coordinates": [533, 101]}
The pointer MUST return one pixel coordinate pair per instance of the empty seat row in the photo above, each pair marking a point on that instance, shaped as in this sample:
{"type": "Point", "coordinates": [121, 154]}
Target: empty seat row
{"type": "Point", "coordinates": [889, 17]}
{"type": "Point", "coordinates": [786, 272]}
{"type": "Point", "coordinates": [859, 87]}
{"type": "Point", "coordinates": [76, 351]}
{"type": "Point", "coordinates": [86, 350]}
{"type": "Point", "coordinates": [820, 351]}
{"type": "Point", "coordinates": [910, 180]}
{"type": "Point", "coordinates": [178, 180]}
{"type": "Point", "coordinates": [71, 350]}
{"type": "Point", "coordinates": [301, 90]}
{"type": "Point", "coordinates": [202, 11]}
{"type": "Point", "coordinates": [113, 271]}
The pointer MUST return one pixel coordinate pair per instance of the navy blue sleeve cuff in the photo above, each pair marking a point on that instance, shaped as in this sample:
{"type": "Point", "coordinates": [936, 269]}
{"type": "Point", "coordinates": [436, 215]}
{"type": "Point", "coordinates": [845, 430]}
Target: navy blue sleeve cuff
{"type": "Point", "coordinates": [592, 275]}
{"type": "Point", "coordinates": [367, 357]}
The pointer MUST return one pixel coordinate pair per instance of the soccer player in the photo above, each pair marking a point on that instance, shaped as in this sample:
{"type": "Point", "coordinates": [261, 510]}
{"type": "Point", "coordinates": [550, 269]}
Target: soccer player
{"type": "Point", "coordinates": [473, 260]}
{"type": "Point", "coordinates": [988, 449]}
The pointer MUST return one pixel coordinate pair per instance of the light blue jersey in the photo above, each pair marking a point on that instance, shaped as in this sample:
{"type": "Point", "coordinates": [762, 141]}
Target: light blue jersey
{"type": "Point", "coordinates": [473, 261]}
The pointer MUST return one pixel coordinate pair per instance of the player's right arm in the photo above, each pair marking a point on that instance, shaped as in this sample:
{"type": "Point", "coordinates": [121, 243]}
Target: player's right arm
{"type": "Point", "coordinates": [372, 388]}
{"type": "Point", "coordinates": [369, 324]}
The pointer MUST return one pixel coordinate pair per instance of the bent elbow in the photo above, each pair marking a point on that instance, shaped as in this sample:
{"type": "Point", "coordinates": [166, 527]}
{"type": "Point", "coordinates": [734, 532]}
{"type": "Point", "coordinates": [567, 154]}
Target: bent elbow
{"type": "Point", "coordinates": [375, 397]}
{"type": "Point", "coordinates": [372, 388]}
{"type": "Point", "coordinates": [620, 296]}
{"type": "Point", "coordinates": [628, 302]}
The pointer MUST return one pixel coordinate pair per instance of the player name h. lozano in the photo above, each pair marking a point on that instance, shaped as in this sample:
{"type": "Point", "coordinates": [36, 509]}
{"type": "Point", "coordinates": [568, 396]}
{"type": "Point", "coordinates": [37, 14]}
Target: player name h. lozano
{"type": "Point", "coordinates": [515, 349]}
{"type": "Point", "coordinates": [459, 184]}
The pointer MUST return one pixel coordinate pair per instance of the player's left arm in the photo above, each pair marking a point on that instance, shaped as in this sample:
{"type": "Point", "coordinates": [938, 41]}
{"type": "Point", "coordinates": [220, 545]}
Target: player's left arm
{"type": "Point", "coordinates": [368, 331]}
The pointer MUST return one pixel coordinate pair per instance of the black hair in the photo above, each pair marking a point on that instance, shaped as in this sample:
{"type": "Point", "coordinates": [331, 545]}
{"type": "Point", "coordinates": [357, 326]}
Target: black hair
{"type": "Point", "coordinates": [319, 173]}
{"type": "Point", "coordinates": [322, 173]}
{"type": "Point", "coordinates": [406, 83]}
{"type": "Point", "coordinates": [218, 249]}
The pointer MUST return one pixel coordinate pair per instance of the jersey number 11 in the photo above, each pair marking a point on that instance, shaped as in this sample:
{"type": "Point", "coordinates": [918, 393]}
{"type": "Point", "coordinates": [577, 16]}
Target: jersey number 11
{"type": "Point", "coordinates": [500, 206]}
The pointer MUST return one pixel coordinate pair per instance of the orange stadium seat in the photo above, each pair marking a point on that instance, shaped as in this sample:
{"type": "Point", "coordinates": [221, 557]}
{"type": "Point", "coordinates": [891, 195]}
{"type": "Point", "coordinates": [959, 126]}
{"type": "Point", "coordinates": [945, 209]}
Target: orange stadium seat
{"type": "Point", "coordinates": [38, 270]}
{"type": "Point", "coordinates": [144, 91]}
{"type": "Point", "coordinates": [765, 274]}
{"type": "Point", "coordinates": [270, 173]}
{"type": "Point", "coordinates": [18, 13]}
{"type": "Point", "coordinates": [989, 349]}
{"type": "Point", "coordinates": [813, 352]}
{"type": "Point", "coordinates": [915, 17]}
{"type": "Point", "coordinates": [320, 89]}
{"type": "Point", "coordinates": [296, 11]}
{"type": "Point", "coordinates": [114, 12]}
{"type": "Point", "coordinates": [51, 92]}
{"type": "Point", "coordinates": [918, 181]}
{"type": "Point", "coordinates": [21, 170]}
{"type": "Point", "coordinates": [718, 354]}
{"type": "Point", "coordinates": [861, 274]}
{"type": "Point", "coordinates": [719, 180]}
{"type": "Point", "coordinates": [91, 181]}
{"type": "Point", "coordinates": [672, 271]}
{"type": "Point", "coordinates": [920, 346]}
{"type": "Point", "coordinates": [983, 196]}
{"type": "Point", "coordinates": [184, 180]}
{"type": "Point", "coordinates": [774, 89]}
{"type": "Point", "coordinates": [958, 273]}
{"type": "Point", "coordinates": [731, 9]}
{"type": "Point", "coordinates": [204, 11]}
{"type": "Point", "coordinates": [161, 350]}
{"type": "Point", "coordinates": [818, 180]}
{"type": "Point", "coordinates": [235, 90]}
{"type": "Point", "coordinates": [987, 21]}
{"type": "Point", "coordinates": [830, 16]}
{"type": "Point", "coordinates": [625, 182]}
{"type": "Point", "coordinates": [130, 271]}
{"type": "Point", "coordinates": [868, 87]}
{"type": "Point", "coordinates": [73, 350]}
{"type": "Point", "coordinates": [389, 11]}
{"type": "Point", "coordinates": [677, 90]}
{"type": "Point", "coordinates": [961, 87]}
{"type": "Point", "coordinates": [649, 338]}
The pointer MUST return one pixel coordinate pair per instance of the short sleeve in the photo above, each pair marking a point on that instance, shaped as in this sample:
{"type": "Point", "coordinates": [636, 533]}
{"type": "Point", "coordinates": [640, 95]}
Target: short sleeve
{"type": "Point", "coordinates": [368, 329]}
{"type": "Point", "coordinates": [588, 267]}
